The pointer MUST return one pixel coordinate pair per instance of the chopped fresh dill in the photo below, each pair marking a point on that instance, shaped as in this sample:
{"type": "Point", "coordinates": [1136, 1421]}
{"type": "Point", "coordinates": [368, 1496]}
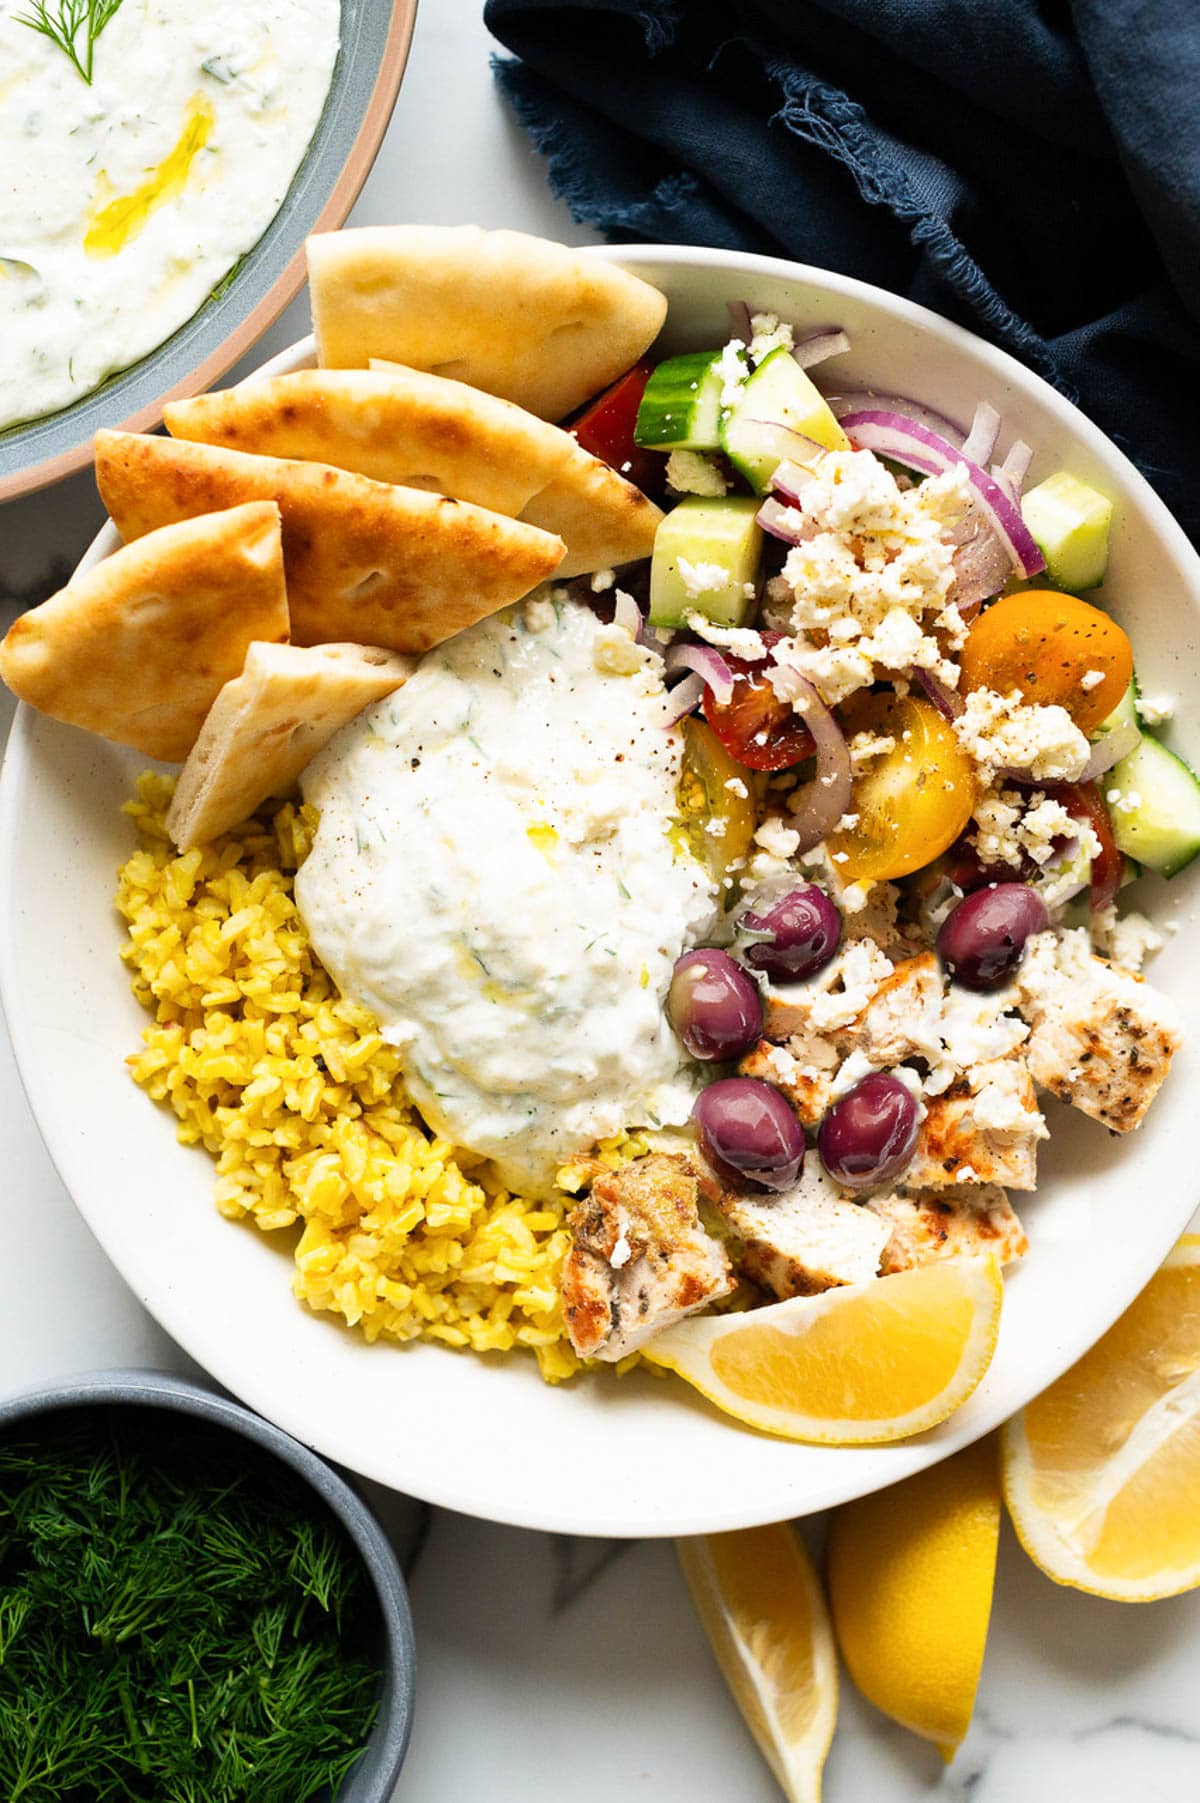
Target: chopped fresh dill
{"type": "Point", "coordinates": [178, 1621]}
{"type": "Point", "coordinates": [64, 24]}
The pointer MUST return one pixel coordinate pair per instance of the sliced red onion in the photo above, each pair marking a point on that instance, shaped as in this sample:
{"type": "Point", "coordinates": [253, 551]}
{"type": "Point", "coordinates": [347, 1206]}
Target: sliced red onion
{"type": "Point", "coordinates": [818, 346]}
{"type": "Point", "coordinates": [982, 564]}
{"type": "Point", "coordinates": [1012, 472]}
{"type": "Point", "coordinates": [790, 481]}
{"type": "Point", "coordinates": [817, 808]}
{"type": "Point", "coordinates": [628, 614]}
{"type": "Point", "coordinates": [1110, 749]}
{"type": "Point", "coordinates": [980, 441]}
{"type": "Point", "coordinates": [909, 442]}
{"type": "Point", "coordinates": [861, 400]}
{"type": "Point", "coordinates": [782, 521]}
{"type": "Point", "coordinates": [739, 320]}
{"type": "Point", "coordinates": [767, 438]}
{"type": "Point", "coordinates": [948, 702]}
{"type": "Point", "coordinates": [684, 699]}
{"type": "Point", "coordinates": [707, 663]}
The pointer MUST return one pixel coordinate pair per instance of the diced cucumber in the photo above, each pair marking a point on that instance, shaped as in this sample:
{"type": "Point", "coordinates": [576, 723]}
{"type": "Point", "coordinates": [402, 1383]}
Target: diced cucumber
{"type": "Point", "coordinates": [1070, 523]}
{"type": "Point", "coordinates": [681, 407]}
{"type": "Point", "coordinates": [778, 394]}
{"type": "Point", "coordinates": [1156, 814]}
{"type": "Point", "coordinates": [705, 561]}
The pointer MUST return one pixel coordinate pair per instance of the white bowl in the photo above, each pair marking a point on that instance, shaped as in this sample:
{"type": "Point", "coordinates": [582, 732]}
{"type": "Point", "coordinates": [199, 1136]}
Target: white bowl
{"type": "Point", "coordinates": [640, 1455]}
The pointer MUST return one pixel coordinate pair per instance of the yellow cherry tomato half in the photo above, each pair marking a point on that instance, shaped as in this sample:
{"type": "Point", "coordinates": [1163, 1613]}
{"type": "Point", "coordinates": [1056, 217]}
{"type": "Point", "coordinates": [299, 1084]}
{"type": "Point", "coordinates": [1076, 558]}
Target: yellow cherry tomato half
{"type": "Point", "coordinates": [714, 788]}
{"type": "Point", "coordinates": [1049, 647]}
{"type": "Point", "coordinates": [912, 800]}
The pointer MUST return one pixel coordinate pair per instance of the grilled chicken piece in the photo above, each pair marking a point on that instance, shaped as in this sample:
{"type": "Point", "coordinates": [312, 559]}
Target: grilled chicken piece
{"type": "Point", "coordinates": [1101, 1039]}
{"type": "Point", "coordinates": [803, 1069]}
{"type": "Point", "coordinates": [805, 1240]}
{"type": "Point", "coordinates": [983, 1129]}
{"type": "Point", "coordinates": [901, 1019]}
{"type": "Point", "coordinates": [949, 1223]}
{"type": "Point", "coordinates": [827, 1003]}
{"type": "Point", "coordinates": [639, 1259]}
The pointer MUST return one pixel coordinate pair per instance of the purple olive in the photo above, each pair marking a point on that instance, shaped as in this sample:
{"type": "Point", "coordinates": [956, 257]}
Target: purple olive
{"type": "Point", "coordinates": [749, 1133]}
{"type": "Point", "coordinates": [869, 1134]}
{"type": "Point", "coordinates": [804, 928]}
{"type": "Point", "coordinates": [982, 941]}
{"type": "Point", "coordinates": [714, 1006]}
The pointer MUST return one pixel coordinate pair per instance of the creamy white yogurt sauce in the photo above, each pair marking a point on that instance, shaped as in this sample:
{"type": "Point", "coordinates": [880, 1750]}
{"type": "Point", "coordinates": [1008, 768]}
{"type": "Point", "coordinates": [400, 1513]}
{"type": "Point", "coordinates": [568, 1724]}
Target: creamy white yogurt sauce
{"type": "Point", "coordinates": [123, 204]}
{"type": "Point", "coordinates": [494, 877]}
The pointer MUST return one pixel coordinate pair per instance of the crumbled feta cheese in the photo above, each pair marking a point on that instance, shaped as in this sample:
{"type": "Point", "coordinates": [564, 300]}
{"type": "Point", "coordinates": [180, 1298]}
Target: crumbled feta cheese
{"type": "Point", "coordinates": [537, 613]}
{"type": "Point", "coordinates": [701, 578]}
{"type": "Point", "coordinates": [770, 334]}
{"type": "Point", "coordinates": [866, 746]}
{"type": "Point", "coordinates": [1091, 679]}
{"type": "Point", "coordinates": [1010, 826]}
{"type": "Point", "coordinates": [740, 641]}
{"type": "Point", "coordinates": [617, 653]}
{"type": "Point", "coordinates": [1127, 940]}
{"type": "Point", "coordinates": [715, 827]}
{"type": "Point", "coordinates": [860, 967]}
{"type": "Point", "coordinates": [731, 367]}
{"type": "Point", "coordinates": [622, 1252]}
{"type": "Point", "coordinates": [692, 473]}
{"type": "Point", "coordinates": [854, 1069]}
{"type": "Point", "coordinates": [974, 1029]}
{"type": "Point", "coordinates": [873, 569]}
{"type": "Point", "coordinates": [855, 896]}
{"type": "Point", "coordinates": [779, 840]}
{"type": "Point", "coordinates": [1154, 709]}
{"type": "Point", "coordinates": [603, 579]}
{"type": "Point", "coordinates": [1001, 1096]}
{"type": "Point", "coordinates": [737, 787]}
{"type": "Point", "coordinates": [1123, 801]}
{"type": "Point", "coordinates": [846, 824]}
{"type": "Point", "coordinates": [1002, 732]}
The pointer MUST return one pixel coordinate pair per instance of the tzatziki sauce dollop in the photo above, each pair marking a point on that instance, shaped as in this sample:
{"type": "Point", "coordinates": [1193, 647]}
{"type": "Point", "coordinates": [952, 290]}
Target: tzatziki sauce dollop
{"type": "Point", "coordinates": [126, 200]}
{"type": "Point", "coordinates": [497, 876]}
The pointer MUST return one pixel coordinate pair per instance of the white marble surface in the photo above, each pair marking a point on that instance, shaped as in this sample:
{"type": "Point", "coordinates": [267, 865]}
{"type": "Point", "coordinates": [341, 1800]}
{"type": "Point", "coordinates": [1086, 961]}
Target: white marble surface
{"type": "Point", "coordinates": [553, 1667]}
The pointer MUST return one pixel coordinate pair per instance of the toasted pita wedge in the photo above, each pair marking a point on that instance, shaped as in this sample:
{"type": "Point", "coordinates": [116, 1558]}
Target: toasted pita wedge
{"type": "Point", "coordinates": [420, 431]}
{"type": "Point", "coordinates": [138, 648]}
{"type": "Point", "coordinates": [268, 723]}
{"type": "Point", "coordinates": [518, 316]}
{"type": "Point", "coordinates": [366, 563]}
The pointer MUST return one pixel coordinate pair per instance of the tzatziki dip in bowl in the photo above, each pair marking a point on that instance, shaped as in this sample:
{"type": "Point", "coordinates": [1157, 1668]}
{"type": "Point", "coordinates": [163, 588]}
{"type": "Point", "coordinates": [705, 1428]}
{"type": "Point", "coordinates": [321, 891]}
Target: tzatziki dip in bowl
{"type": "Point", "coordinates": [162, 161]}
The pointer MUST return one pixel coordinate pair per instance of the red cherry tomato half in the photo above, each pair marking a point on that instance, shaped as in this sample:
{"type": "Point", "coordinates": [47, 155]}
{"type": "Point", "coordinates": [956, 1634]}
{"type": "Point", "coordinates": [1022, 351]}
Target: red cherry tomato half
{"type": "Point", "coordinates": [1084, 802]}
{"type": "Point", "coordinates": [605, 428]}
{"type": "Point", "coordinates": [754, 725]}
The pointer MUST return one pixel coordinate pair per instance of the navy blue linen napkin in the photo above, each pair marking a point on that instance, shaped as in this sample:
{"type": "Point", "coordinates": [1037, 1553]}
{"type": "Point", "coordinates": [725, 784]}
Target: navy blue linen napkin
{"type": "Point", "coordinates": [1030, 168]}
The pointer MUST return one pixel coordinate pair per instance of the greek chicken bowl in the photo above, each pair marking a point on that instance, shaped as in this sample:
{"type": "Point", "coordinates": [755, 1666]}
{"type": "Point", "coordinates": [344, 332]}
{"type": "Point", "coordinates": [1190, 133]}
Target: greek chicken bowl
{"type": "Point", "coordinates": [597, 879]}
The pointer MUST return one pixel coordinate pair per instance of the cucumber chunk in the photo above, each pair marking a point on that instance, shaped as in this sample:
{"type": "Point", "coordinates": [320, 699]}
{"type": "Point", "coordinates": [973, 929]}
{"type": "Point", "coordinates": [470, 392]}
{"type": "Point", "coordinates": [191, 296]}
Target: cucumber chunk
{"type": "Point", "coordinates": [1070, 523]}
{"type": "Point", "coordinates": [681, 407]}
{"type": "Point", "coordinates": [1159, 823]}
{"type": "Point", "coordinates": [705, 561]}
{"type": "Point", "coordinates": [778, 393]}
{"type": "Point", "coordinates": [1124, 714]}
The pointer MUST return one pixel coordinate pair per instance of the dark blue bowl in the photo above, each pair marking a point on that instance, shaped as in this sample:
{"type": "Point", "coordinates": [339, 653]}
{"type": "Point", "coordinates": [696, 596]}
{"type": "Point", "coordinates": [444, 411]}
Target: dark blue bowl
{"type": "Point", "coordinates": [373, 1779]}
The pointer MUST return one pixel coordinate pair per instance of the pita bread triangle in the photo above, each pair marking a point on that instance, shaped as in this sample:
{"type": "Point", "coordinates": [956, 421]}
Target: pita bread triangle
{"type": "Point", "coordinates": [405, 427]}
{"type": "Point", "coordinates": [534, 322]}
{"type": "Point", "coordinates": [268, 723]}
{"type": "Point", "coordinates": [366, 562]}
{"type": "Point", "coordinates": [138, 647]}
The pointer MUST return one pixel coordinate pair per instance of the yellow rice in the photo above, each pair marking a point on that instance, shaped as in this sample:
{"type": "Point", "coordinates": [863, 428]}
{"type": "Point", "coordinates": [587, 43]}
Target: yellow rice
{"type": "Point", "coordinates": [293, 1091]}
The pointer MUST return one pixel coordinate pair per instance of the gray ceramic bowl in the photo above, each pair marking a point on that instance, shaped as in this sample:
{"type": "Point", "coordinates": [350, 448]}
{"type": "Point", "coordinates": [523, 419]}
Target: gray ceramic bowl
{"type": "Point", "coordinates": [375, 38]}
{"type": "Point", "coordinates": [373, 1779]}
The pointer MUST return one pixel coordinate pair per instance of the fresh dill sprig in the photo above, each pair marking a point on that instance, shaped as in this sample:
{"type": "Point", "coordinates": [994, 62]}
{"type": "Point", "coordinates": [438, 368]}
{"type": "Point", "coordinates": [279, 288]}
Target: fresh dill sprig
{"type": "Point", "coordinates": [64, 25]}
{"type": "Point", "coordinates": [177, 1622]}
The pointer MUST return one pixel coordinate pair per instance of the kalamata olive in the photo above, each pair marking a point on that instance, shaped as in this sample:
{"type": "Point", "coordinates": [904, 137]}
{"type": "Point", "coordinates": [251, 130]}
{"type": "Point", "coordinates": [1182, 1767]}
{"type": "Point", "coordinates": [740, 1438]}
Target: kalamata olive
{"type": "Point", "coordinates": [804, 928]}
{"type": "Point", "coordinates": [982, 941]}
{"type": "Point", "coordinates": [714, 1006]}
{"type": "Point", "coordinates": [868, 1135]}
{"type": "Point", "coordinates": [749, 1133]}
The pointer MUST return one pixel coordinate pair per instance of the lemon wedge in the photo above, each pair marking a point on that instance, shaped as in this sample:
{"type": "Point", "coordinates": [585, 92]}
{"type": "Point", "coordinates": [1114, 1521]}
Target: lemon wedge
{"type": "Point", "coordinates": [857, 1365]}
{"type": "Point", "coordinates": [762, 1609]}
{"type": "Point", "coordinates": [911, 1571]}
{"type": "Point", "coordinates": [1102, 1470]}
